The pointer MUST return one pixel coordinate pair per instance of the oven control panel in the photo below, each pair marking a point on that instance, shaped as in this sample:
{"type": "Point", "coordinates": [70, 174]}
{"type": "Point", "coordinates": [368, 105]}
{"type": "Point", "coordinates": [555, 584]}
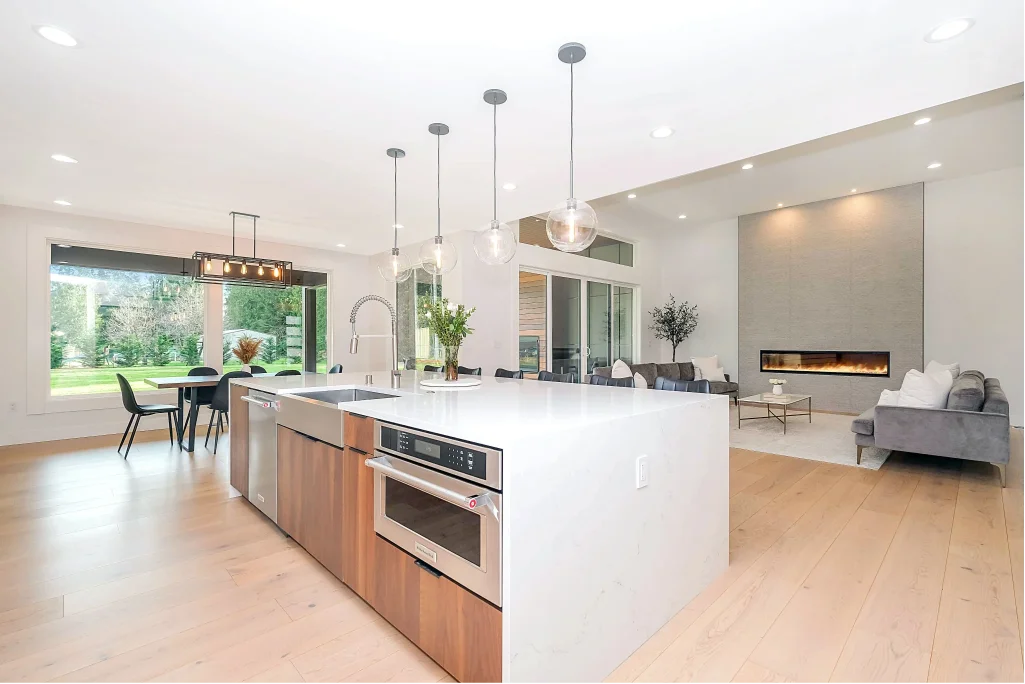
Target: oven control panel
{"type": "Point", "coordinates": [458, 457]}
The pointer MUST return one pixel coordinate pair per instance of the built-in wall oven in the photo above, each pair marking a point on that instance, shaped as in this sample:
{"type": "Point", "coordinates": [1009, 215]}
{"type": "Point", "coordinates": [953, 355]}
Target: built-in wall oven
{"type": "Point", "coordinates": [440, 499]}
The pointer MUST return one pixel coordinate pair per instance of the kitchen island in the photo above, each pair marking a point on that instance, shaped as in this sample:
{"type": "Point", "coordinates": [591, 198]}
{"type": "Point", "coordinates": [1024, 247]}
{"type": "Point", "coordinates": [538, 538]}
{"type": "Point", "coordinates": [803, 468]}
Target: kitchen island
{"type": "Point", "coordinates": [565, 524]}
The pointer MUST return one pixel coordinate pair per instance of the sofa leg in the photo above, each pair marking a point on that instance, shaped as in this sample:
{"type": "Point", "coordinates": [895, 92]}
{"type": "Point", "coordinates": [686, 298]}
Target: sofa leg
{"type": "Point", "coordinates": [1002, 467]}
{"type": "Point", "coordinates": [859, 453]}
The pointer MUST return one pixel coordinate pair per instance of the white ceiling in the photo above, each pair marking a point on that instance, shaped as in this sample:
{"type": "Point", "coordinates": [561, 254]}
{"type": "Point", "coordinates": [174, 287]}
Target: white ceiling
{"type": "Point", "coordinates": [179, 112]}
{"type": "Point", "coordinates": [974, 135]}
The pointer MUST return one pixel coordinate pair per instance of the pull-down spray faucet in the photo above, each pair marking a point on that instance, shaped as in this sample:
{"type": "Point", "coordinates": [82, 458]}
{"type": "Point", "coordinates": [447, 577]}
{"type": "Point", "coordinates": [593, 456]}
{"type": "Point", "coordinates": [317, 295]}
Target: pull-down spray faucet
{"type": "Point", "coordinates": [396, 374]}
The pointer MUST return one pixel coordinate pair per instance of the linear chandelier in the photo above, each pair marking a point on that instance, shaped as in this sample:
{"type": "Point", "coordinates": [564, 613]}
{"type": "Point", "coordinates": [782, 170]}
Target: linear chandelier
{"type": "Point", "coordinates": [232, 268]}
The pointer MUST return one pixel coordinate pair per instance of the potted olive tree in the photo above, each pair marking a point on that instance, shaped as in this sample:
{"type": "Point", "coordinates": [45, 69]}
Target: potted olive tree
{"type": "Point", "coordinates": [674, 322]}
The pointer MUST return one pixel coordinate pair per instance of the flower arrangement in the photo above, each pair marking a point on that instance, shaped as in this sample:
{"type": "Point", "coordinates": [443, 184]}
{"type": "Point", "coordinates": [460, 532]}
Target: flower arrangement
{"type": "Point", "coordinates": [246, 349]}
{"type": "Point", "coordinates": [448, 322]}
{"type": "Point", "coordinates": [777, 385]}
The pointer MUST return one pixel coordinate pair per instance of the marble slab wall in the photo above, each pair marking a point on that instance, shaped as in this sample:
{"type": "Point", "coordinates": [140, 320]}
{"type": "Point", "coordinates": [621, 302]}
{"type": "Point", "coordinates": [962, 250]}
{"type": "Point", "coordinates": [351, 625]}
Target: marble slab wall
{"type": "Point", "coordinates": [841, 274]}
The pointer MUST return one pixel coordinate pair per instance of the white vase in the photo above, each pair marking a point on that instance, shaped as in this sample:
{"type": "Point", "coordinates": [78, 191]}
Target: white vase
{"type": "Point", "coordinates": [777, 389]}
{"type": "Point", "coordinates": [247, 368]}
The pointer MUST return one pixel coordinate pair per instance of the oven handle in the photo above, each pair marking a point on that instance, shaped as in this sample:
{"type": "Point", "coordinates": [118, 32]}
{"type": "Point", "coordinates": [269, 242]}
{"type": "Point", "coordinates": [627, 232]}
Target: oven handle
{"type": "Point", "coordinates": [470, 503]}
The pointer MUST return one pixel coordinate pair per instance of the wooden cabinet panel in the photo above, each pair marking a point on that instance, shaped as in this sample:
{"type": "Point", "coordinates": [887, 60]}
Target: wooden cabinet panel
{"type": "Point", "coordinates": [357, 522]}
{"type": "Point", "coordinates": [395, 588]}
{"type": "Point", "coordinates": [459, 630]}
{"type": "Point", "coordinates": [239, 441]}
{"type": "Point", "coordinates": [291, 483]}
{"type": "Point", "coordinates": [323, 504]}
{"type": "Point", "coordinates": [359, 432]}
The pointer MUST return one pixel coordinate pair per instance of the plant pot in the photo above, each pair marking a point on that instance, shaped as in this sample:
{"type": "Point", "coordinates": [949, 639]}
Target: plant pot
{"type": "Point", "coordinates": [452, 362]}
{"type": "Point", "coordinates": [247, 368]}
{"type": "Point", "coordinates": [777, 389]}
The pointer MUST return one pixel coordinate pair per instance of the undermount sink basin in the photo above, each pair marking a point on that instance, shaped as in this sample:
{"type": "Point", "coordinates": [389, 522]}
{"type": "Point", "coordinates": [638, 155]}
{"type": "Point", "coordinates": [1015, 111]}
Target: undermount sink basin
{"type": "Point", "coordinates": [334, 397]}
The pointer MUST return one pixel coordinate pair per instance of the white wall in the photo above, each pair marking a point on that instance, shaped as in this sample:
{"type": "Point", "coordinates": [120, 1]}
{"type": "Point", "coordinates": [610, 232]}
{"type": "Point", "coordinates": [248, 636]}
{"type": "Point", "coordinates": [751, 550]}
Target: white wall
{"type": "Point", "coordinates": [974, 277]}
{"type": "Point", "coordinates": [27, 413]}
{"type": "Point", "coordinates": [699, 265]}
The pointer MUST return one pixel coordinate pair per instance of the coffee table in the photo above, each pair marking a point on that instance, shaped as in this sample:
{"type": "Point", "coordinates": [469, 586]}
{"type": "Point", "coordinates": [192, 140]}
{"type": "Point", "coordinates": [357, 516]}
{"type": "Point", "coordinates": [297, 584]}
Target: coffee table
{"type": "Point", "coordinates": [770, 400]}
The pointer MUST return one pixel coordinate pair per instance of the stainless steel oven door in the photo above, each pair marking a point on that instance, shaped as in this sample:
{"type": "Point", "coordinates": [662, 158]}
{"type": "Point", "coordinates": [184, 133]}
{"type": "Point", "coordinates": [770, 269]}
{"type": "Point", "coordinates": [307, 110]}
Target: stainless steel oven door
{"type": "Point", "coordinates": [453, 525]}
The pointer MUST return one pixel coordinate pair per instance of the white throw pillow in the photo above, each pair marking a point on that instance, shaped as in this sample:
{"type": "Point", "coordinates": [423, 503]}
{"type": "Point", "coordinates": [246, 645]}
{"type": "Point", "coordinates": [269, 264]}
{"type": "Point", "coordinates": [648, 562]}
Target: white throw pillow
{"type": "Point", "coordinates": [640, 382]}
{"type": "Point", "coordinates": [922, 390]}
{"type": "Point", "coordinates": [621, 370]}
{"type": "Point", "coordinates": [704, 366]}
{"type": "Point", "coordinates": [933, 366]}
{"type": "Point", "coordinates": [888, 398]}
{"type": "Point", "coordinates": [718, 375]}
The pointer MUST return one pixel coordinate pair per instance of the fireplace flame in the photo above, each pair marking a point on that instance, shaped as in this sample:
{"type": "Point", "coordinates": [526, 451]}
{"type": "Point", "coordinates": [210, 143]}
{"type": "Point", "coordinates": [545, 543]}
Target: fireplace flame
{"type": "Point", "coordinates": [856, 363]}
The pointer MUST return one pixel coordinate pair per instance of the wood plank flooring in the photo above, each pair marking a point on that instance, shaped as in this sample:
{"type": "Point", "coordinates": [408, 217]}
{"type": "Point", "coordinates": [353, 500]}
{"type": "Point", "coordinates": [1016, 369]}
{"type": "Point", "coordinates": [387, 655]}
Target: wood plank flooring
{"type": "Point", "coordinates": [154, 569]}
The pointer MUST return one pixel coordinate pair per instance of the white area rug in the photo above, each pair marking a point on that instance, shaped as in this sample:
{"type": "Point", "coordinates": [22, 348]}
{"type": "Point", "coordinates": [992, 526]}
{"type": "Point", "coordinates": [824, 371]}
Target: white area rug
{"type": "Point", "coordinates": [827, 438]}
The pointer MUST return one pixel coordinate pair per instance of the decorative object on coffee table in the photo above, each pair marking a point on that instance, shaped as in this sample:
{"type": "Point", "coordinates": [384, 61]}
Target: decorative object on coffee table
{"type": "Point", "coordinates": [246, 349]}
{"type": "Point", "coordinates": [778, 400]}
{"type": "Point", "coordinates": [777, 385]}
{"type": "Point", "coordinates": [447, 321]}
{"type": "Point", "coordinates": [674, 322]}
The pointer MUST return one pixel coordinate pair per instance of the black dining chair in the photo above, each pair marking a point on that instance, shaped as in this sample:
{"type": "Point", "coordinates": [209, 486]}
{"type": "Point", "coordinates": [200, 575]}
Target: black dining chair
{"type": "Point", "coordinates": [432, 369]}
{"type": "Point", "coordinates": [203, 395]}
{"type": "Point", "coordinates": [288, 371]}
{"type": "Point", "coordinates": [548, 376]}
{"type": "Point", "coordinates": [503, 373]}
{"type": "Point", "coordinates": [137, 411]}
{"type": "Point", "coordinates": [612, 382]}
{"type": "Point", "coordinates": [257, 370]}
{"type": "Point", "coordinates": [337, 368]}
{"type": "Point", "coordinates": [668, 384]}
{"type": "Point", "coordinates": [463, 370]}
{"type": "Point", "coordinates": [221, 403]}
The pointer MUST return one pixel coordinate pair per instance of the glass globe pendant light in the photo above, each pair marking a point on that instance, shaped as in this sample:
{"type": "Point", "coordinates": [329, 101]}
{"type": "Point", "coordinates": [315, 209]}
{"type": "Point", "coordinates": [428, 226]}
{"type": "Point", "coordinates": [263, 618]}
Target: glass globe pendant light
{"type": "Point", "coordinates": [496, 243]}
{"type": "Point", "coordinates": [572, 225]}
{"type": "Point", "coordinates": [396, 269]}
{"type": "Point", "coordinates": [438, 257]}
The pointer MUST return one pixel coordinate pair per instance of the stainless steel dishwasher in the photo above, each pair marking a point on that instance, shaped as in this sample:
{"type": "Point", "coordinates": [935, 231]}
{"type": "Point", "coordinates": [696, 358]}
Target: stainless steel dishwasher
{"type": "Point", "coordinates": [263, 452]}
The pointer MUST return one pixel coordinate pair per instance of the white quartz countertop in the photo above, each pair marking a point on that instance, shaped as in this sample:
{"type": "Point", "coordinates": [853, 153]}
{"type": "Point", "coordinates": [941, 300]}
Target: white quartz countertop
{"type": "Point", "coordinates": [494, 413]}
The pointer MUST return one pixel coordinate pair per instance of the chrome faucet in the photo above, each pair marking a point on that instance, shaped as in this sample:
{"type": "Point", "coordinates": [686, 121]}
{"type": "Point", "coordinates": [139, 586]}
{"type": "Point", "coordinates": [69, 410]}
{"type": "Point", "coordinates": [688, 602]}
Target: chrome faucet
{"type": "Point", "coordinates": [396, 373]}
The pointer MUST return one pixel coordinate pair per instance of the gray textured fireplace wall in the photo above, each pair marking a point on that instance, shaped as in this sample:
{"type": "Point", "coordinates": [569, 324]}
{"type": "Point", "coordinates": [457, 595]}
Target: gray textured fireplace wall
{"type": "Point", "coordinates": [841, 274]}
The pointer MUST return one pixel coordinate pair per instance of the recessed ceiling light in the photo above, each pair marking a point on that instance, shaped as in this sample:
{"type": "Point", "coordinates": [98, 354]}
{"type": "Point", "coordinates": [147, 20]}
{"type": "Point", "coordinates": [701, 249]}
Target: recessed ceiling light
{"type": "Point", "coordinates": [748, 166]}
{"type": "Point", "coordinates": [56, 35]}
{"type": "Point", "coordinates": [934, 165]}
{"type": "Point", "coordinates": [662, 132]}
{"type": "Point", "coordinates": [924, 120]}
{"type": "Point", "coordinates": [509, 186]}
{"type": "Point", "coordinates": [63, 203]}
{"type": "Point", "coordinates": [683, 216]}
{"type": "Point", "coordinates": [854, 189]}
{"type": "Point", "coordinates": [632, 196]}
{"type": "Point", "coordinates": [340, 244]}
{"type": "Point", "coordinates": [949, 29]}
{"type": "Point", "coordinates": [779, 205]}
{"type": "Point", "coordinates": [63, 158]}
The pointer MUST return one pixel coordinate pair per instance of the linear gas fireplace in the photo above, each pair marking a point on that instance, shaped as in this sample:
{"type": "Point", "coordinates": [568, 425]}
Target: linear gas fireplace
{"type": "Point", "coordinates": [871, 363]}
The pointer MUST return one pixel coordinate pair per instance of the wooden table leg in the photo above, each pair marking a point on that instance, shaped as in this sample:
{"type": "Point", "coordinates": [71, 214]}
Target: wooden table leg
{"type": "Point", "coordinates": [784, 419]}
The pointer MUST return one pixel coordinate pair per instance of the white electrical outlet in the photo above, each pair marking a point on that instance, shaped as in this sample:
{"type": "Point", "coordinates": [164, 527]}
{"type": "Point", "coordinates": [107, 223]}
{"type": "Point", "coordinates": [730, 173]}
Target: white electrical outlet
{"type": "Point", "coordinates": [14, 407]}
{"type": "Point", "coordinates": [642, 471]}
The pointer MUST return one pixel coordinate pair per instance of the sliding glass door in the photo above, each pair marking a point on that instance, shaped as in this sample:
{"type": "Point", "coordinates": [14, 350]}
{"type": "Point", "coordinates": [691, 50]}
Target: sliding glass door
{"type": "Point", "coordinates": [588, 323]}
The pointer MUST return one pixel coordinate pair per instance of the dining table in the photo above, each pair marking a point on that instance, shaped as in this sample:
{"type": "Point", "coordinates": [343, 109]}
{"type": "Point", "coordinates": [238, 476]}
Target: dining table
{"type": "Point", "coordinates": [181, 383]}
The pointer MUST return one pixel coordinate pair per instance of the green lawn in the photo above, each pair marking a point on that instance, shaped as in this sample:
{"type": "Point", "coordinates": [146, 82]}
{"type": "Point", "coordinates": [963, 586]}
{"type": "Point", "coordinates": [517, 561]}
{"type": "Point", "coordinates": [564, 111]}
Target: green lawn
{"type": "Point", "coordinates": [72, 381]}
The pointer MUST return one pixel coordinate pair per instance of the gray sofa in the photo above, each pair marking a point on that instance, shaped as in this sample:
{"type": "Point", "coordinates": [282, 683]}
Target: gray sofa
{"type": "Point", "coordinates": [975, 425]}
{"type": "Point", "coordinates": [673, 371]}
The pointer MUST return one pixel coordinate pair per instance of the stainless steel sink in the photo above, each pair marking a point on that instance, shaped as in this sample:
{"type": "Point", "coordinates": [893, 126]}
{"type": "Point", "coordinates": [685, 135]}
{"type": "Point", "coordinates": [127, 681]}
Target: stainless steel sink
{"type": "Point", "coordinates": [343, 395]}
{"type": "Point", "coordinates": [318, 414]}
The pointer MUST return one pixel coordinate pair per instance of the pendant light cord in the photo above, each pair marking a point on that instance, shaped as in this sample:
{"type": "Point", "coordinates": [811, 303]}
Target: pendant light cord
{"type": "Point", "coordinates": [232, 233]}
{"type": "Point", "coordinates": [395, 203]}
{"type": "Point", "coordinates": [439, 186]}
{"type": "Point", "coordinates": [571, 193]}
{"type": "Point", "coordinates": [254, 237]}
{"type": "Point", "coordinates": [494, 158]}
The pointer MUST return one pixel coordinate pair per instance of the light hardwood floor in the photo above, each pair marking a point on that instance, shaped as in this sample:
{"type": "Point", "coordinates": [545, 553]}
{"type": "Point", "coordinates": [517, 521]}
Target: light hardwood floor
{"type": "Point", "coordinates": [154, 569]}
